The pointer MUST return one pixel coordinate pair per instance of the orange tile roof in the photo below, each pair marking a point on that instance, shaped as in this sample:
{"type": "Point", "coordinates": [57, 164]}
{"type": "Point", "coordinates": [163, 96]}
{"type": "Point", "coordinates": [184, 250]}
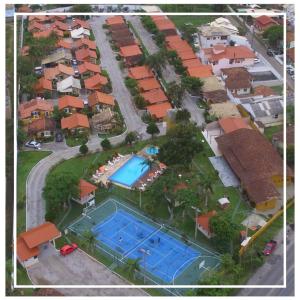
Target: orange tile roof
{"type": "Point", "coordinates": [51, 73]}
{"type": "Point", "coordinates": [98, 97]}
{"type": "Point", "coordinates": [70, 101]}
{"type": "Point", "coordinates": [25, 109]}
{"type": "Point", "coordinates": [40, 234]}
{"type": "Point", "coordinates": [24, 9]}
{"type": "Point", "coordinates": [148, 84]}
{"type": "Point", "coordinates": [65, 69]}
{"type": "Point", "coordinates": [291, 54]}
{"type": "Point", "coordinates": [61, 26]}
{"type": "Point", "coordinates": [81, 23]}
{"type": "Point", "coordinates": [75, 121]}
{"type": "Point", "coordinates": [158, 17]}
{"type": "Point", "coordinates": [114, 20]}
{"type": "Point", "coordinates": [164, 24]}
{"type": "Point", "coordinates": [173, 38]}
{"type": "Point", "coordinates": [264, 20]}
{"type": "Point", "coordinates": [230, 52]}
{"type": "Point", "coordinates": [128, 51]}
{"type": "Point", "coordinates": [232, 124]}
{"type": "Point", "coordinates": [47, 33]}
{"type": "Point", "coordinates": [203, 220]}
{"type": "Point", "coordinates": [36, 25]}
{"type": "Point", "coordinates": [23, 252]}
{"type": "Point", "coordinates": [155, 96]}
{"type": "Point", "coordinates": [190, 63]}
{"type": "Point", "coordinates": [140, 72]}
{"type": "Point", "coordinates": [202, 71]}
{"type": "Point", "coordinates": [87, 66]}
{"type": "Point", "coordinates": [290, 36]}
{"type": "Point", "coordinates": [39, 18]}
{"type": "Point", "coordinates": [41, 125]}
{"type": "Point", "coordinates": [95, 82]}
{"type": "Point", "coordinates": [84, 41]}
{"type": "Point", "coordinates": [25, 51]}
{"type": "Point", "coordinates": [83, 54]}
{"type": "Point", "coordinates": [159, 110]}
{"type": "Point", "coordinates": [64, 44]}
{"type": "Point", "coordinates": [86, 188]}
{"type": "Point", "coordinates": [180, 46]}
{"type": "Point", "coordinates": [43, 84]}
{"type": "Point", "coordinates": [186, 55]}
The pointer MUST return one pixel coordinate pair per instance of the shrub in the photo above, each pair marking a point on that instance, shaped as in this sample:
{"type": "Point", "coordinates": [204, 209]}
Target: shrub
{"type": "Point", "coordinates": [106, 145]}
{"type": "Point", "coordinates": [50, 215]}
{"type": "Point", "coordinates": [83, 149]}
{"type": "Point", "coordinates": [139, 102]}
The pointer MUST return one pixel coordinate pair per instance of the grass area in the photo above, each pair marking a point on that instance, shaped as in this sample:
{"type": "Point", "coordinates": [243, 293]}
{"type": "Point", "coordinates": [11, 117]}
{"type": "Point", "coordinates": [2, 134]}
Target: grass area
{"type": "Point", "coordinates": [195, 20]}
{"type": "Point", "coordinates": [269, 131]}
{"type": "Point", "coordinates": [75, 141]}
{"type": "Point", "coordinates": [26, 161]}
{"type": "Point", "coordinates": [278, 89]}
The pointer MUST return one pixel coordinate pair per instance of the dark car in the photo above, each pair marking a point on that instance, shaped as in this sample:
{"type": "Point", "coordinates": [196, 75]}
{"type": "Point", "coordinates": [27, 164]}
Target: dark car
{"type": "Point", "coordinates": [59, 137]}
{"type": "Point", "coordinates": [270, 52]}
{"type": "Point", "coordinates": [270, 247]}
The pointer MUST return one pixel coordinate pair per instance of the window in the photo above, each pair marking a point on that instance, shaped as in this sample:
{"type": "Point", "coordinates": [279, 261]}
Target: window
{"type": "Point", "coordinates": [35, 114]}
{"type": "Point", "coordinates": [231, 61]}
{"type": "Point", "coordinates": [214, 38]}
{"type": "Point", "coordinates": [276, 116]}
{"type": "Point", "coordinates": [67, 110]}
{"type": "Point", "coordinates": [208, 38]}
{"type": "Point", "coordinates": [223, 37]}
{"type": "Point", "coordinates": [47, 113]}
{"type": "Point", "coordinates": [97, 107]}
{"type": "Point", "coordinates": [245, 90]}
{"type": "Point", "coordinates": [47, 133]}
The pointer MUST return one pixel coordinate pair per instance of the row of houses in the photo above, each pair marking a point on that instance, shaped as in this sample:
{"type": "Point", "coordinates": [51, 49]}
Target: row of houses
{"type": "Point", "coordinates": [149, 87]}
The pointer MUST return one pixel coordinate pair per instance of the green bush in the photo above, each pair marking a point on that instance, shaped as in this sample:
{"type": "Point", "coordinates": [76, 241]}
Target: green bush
{"type": "Point", "coordinates": [106, 145]}
{"type": "Point", "coordinates": [139, 102]}
{"type": "Point", "coordinates": [83, 149]}
{"type": "Point", "coordinates": [50, 215]}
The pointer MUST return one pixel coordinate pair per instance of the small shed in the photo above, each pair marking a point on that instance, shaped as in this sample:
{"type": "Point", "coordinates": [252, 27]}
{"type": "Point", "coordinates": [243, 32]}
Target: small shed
{"type": "Point", "coordinates": [87, 192]}
{"type": "Point", "coordinates": [224, 202]}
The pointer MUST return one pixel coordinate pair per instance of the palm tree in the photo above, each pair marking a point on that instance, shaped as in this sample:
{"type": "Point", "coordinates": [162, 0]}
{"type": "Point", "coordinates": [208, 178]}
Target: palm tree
{"type": "Point", "coordinates": [156, 61]}
{"type": "Point", "coordinates": [205, 187]}
{"type": "Point", "coordinates": [90, 239]}
{"type": "Point", "coordinates": [132, 265]}
{"type": "Point", "coordinates": [148, 162]}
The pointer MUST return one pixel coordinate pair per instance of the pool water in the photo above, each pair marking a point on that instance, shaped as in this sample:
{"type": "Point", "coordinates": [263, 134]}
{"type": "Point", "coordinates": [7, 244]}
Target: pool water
{"type": "Point", "coordinates": [152, 150]}
{"type": "Point", "coordinates": [130, 172]}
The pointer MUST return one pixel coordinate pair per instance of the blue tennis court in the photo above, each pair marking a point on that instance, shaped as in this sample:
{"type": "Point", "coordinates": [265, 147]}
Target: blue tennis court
{"type": "Point", "coordinates": [130, 172]}
{"type": "Point", "coordinates": [160, 254]}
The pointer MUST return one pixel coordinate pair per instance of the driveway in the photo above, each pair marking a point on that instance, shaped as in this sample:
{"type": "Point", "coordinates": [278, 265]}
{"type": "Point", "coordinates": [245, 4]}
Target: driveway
{"type": "Point", "coordinates": [57, 270]}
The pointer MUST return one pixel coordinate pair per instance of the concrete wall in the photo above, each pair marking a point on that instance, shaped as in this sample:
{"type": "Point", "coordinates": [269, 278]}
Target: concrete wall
{"type": "Point", "coordinates": [267, 83]}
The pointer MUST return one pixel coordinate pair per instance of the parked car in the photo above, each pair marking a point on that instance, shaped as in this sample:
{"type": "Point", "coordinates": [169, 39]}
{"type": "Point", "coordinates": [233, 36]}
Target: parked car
{"type": "Point", "coordinates": [67, 249]}
{"type": "Point", "coordinates": [59, 137]}
{"type": "Point", "coordinates": [270, 247]}
{"type": "Point", "coordinates": [38, 70]}
{"type": "Point", "coordinates": [256, 60]}
{"type": "Point", "coordinates": [33, 144]}
{"type": "Point", "coordinates": [74, 62]}
{"type": "Point", "coordinates": [270, 52]}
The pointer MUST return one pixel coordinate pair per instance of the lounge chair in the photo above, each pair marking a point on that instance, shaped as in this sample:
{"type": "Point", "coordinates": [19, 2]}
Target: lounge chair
{"type": "Point", "coordinates": [110, 163]}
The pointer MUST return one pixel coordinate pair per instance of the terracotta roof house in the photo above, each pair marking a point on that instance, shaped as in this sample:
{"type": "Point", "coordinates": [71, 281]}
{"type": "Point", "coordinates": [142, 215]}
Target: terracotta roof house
{"type": "Point", "coordinates": [203, 223]}
{"type": "Point", "coordinates": [232, 123]}
{"type": "Point", "coordinates": [86, 192]}
{"type": "Point", "coordinates": [159, 111]}
{"type": "Point", "coordinates": [29, 242]}
{"type": "Point", "coordinates": [117, 27]}
{"type": "Point", "coordinates": [38, 18]}
{"type": "Point", "coordinates": [165, 26]}
{"type": "Point", "coordinates": [64, 44]}
{"type": "Point", "coordinates": [43, 85]}
{"type": "Point", "coordinates": [87, 69]}
{"type": "Point", "coordinates": [290, 39]}
{"type": "Point", "coordinates": [125, 33]}
{"type": "Point", "coordinates": [62, 56]}
{"type": "Point", "coordinates": [190, 63]}
{"type": "Point", "coordinates": [140, 72]}
{"type": "Point", "coordinates": [256, 163]}
{"type": "Point", "coordinates": [24, 9]}
{"type": "Point", "coordinates": [41, 128]}
{"type": "Point", "coordinates": [98, 101]}
{"type": "Point", "coordinates": [58, 17]}
{"type": "Point", "coordinates": [85, 43]}
{"type": "Point", "coordinates": [148, 84]}
{"type": "Point", "coordinates": [36, 27]}
{"type": "Point", "coordinates": [264, 22]}
{"type": "Point", "coordinates": [291, 55]}
{"type": "Point", "coordinates": [221, 57]}
{"type": "Point", "coordinates": [158, 17]}
{"type": "Point", "coordinates": [35, 109]}
{"type": "Point", "coordinates": [277, 138]}
{"type": "Point", "coordinates": [154, 96]}
{"type": "Point", "coordinates": [70, 104]}
{"type": "Point", "coordinates": [69, 85]}
{"type": "Point", "coordinates": [78, 23]}
{"type": "Point", "coordinates": [202, 71]}
{"type": "Point", "coordinates": [85, 54]}
{"type": "Point", "coordinates": [59, 72]}
{"type": "Point", "coordinates": [115, 20]}
{"type": "Point", "coordinates": [224, 110]}
{"type": "Point", "coordinates": [61, 26]}
{"type": "Point", "coordinates": [95, 82]}
{"type": "Point", "coordinates": [80, 33]}
{"type": "Point", "coordinates": [46, 33]}
{"type": "Point", "coordinates": [186, 55]}
{"type": "Point", "coordinates": [238, 81]}
{"type": "Point", "coordinates": [131, 54]}
{"type": "Point", "coordinates": [75, 122]}
{"type": "Point", "coordinates": [123, 41]}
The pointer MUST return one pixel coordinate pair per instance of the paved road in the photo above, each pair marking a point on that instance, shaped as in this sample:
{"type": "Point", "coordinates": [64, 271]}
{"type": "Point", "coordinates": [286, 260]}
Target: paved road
{"type": "Point", "coordinates": [168, 71]}
{"type": "Point", "coordinates": [271, 273]}
{"type": "Point", "coordinates": [55, 269]}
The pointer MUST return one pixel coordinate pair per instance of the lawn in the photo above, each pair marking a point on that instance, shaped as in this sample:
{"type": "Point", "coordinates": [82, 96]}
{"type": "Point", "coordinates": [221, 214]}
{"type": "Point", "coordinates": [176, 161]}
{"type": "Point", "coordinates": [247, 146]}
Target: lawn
{"type": "Point", "coordinates": [278, 89]}
{"type": "Point", "coordinates": [26, 161]}
{"type": "Point", "coordinates": [75, 141]}
{"type": "Point", "coordinates": [269, 131]}
{"type": "Point", "coordinates": [195, 20]}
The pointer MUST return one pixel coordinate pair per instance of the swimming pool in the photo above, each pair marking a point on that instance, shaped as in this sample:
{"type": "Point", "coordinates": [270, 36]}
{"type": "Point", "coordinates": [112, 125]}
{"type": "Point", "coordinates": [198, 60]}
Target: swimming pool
{"type": "Point", "coordinates": [158, 253]}
{"type": "Point", "coordinates": [130, 172]}
{"type": "Point", "coordinates": [152, 150]}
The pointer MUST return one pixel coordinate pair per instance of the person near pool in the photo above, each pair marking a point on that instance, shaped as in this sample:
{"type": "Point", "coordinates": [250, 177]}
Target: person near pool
{"type": "Point", "coordinates": [120, 239]}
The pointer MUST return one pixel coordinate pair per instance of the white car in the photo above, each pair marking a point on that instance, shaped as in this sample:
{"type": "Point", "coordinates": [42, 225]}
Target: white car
{"type": "Point", "coordinates": [256, 60]}
{"type": "Point", "coordinates": [33, 144]}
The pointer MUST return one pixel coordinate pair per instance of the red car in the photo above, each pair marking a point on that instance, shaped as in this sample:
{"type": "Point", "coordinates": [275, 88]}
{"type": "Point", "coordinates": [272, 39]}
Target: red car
{"type": "Point", "coordinates": [270, 247]}
{"type": "Point", "coordinates": [67, 249]}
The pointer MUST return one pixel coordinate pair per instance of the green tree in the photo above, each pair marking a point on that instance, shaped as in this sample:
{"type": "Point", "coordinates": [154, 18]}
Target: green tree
{"type": "Point", "coordinates": [156, 61]}
{"type": "Point", "coordinates": [205, 187]}
{"type": "Point", "coordinates": [290, 155]}
{"type": "Point", "coordinates": [81, 8]}
{"type": "Point", "coordinates": [139, 101]}
{"type": "Point", "coordinates": [152, 129]}
{"type": "Point", "coordinates": [131, 266]}
{"type": "Point", "coordinates": [192, 84]}
{"type": "Point", "coordinates": [90, 240]}
{"type": "Point", "coordinates": [131, 137]}
{"type": "Point", "coordinates": [83, 149]}
{"type": "Point", "coordinates": [187, 199]}
{"type": "Point", "coordinates": [59, 189]}
{"type": "Point", "coordinates": [183, 116]}
{"type": "Point", "coordinates": [290, 114]}
{"type": "Point", "coordinates": [175, 93]}
{"type": "Point", "coordinates": [188, 32]}
{"type": "Point", "coordinates": [106, 145]}
{"type": "Point", "coordinates": [148, 163]}
{"type": "Point", "coordinates": [181, 145]}
{"type": "Point", "coordinates": [274, 34]}
{"type": "Point", "coordinates": [21, 137]}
